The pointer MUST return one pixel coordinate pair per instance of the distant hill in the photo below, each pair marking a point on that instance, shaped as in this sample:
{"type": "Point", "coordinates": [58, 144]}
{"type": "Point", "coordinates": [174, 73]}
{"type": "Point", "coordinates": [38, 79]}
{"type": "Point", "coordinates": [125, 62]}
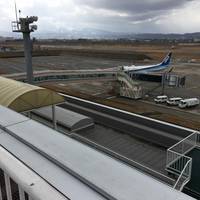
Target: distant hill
{"type": "Point", "coordinates": [102, 34]}
{"type": "Point", "coordinates": [186, 36]}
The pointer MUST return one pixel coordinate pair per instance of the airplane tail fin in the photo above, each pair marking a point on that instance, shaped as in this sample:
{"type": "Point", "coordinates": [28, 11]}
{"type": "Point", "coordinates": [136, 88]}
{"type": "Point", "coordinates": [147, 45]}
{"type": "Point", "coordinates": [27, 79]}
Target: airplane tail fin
{"type": "Point", "coordinates": [167, 59]}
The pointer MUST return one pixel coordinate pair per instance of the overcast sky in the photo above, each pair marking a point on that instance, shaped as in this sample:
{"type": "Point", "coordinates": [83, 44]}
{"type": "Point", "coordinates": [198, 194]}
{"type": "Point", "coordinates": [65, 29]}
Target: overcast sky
{"type": "Point", "coordinates": [138, 16]}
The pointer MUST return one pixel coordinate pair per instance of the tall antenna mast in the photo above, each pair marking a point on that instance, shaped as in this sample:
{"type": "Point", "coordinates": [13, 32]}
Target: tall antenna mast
{"type": "Point", "coordinates": [26, 26]}
{"type": "Point", "coordinates": [16, 14]}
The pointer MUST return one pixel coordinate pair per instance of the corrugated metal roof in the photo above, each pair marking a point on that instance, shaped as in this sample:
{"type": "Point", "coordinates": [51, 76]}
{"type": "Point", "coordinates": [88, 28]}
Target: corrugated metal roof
{"type": "Point", "coordinates": [67, 118]}
{"type": "Point", "coordinates": [22, 97]}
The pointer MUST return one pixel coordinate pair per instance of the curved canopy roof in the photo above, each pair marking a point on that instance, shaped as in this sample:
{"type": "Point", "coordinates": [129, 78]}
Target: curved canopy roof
{"type": "Point", "coordinates": [23, 97]}
{"type": "Point", "coordinates": [71, 120]}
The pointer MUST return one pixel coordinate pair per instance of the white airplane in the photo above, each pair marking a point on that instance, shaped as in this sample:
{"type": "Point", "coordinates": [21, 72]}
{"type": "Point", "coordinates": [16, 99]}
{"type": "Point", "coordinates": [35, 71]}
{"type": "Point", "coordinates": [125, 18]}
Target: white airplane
{"type": "Point", "coordinates": [149, 68]}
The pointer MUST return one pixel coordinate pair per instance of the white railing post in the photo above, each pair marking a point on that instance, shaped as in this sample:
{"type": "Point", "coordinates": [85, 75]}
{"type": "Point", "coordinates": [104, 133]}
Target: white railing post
{"type": "Point", "coordinates": [21, 193]}
{"type": "Point", "coordinates": [196, 138]}
{"type": "Point", "coordinates": [0, 194]}
{"type": "Point", "coordinates": [190, 169]}
{"type": "Point", "coordinates": [182, 148]}
{"type": "Point", "coordinates": [185, 180]}
{"type": "Point", "coordinates": [8, 187]}
{"type": "Point", "coordinates": [54, 117]}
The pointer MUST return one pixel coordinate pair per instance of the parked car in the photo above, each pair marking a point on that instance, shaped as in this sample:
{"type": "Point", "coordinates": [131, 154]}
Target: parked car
{"type": "Point", "coordinates": [161, 99]}
{"type": "Point", "coordinates": [174, 101]}
{"type": "Point", "coordinates": [189, 103]}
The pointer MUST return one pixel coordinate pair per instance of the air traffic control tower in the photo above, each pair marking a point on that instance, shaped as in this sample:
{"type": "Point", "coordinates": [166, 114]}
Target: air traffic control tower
{"type": "Point", "coordinates": [26, 26]}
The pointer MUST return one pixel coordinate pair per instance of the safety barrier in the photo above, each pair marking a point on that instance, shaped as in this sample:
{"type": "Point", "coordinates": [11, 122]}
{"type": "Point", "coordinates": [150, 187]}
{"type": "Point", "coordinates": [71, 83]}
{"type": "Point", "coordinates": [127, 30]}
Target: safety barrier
{"type": "Point", "coordinates": [178, 163]}
{"type": "Point", "coordinates": [19, 182]}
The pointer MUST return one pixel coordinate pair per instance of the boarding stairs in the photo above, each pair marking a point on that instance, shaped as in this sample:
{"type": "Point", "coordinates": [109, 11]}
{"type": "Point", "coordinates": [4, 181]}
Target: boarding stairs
{"type": "Point", "coordinates": [128, 87]}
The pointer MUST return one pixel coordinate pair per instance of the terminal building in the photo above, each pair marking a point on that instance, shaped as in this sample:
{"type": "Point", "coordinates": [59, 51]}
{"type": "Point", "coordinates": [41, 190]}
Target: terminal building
{"type": "Point", "coordinates": [49, 149]}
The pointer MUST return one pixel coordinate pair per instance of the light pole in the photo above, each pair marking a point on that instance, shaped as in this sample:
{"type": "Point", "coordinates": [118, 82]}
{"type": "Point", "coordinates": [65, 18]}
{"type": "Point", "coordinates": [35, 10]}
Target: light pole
{"type": "Point", "coordinates": [26, 26]}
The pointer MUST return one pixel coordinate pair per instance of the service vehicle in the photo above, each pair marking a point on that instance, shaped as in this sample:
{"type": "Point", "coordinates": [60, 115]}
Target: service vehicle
{"type": "Point", "coordinates": [185, 103]}
{"type": "Point", "coordinates": [174, 101]}
{"type": "Point", "coordinates": [161, 99]}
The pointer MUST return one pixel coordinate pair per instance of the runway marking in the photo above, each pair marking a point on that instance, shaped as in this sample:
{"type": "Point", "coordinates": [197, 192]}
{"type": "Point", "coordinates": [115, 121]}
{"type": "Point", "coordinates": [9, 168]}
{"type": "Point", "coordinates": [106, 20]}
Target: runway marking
{"type": "Point", "coordinates": [112, 97]}
{"type": "Point", "coordinates": [98, 93]}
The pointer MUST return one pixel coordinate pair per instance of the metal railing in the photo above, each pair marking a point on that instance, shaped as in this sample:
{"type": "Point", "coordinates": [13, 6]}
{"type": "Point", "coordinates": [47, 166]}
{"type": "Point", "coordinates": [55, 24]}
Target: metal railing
{"type": "Point", "coordinates": [10, 190]}
{"type": "Point", "coordinates": [15, 26]}
{"type": "Point", "coordinates": [185, 176]}
{"type": "Point", "coordinates": [135, 93]}
{"type": "Point", "coordinates": [19, 182]}
{"type": "Point", "coordinates": [7, 191]}
{"type": "Point", "coordinates": [178, 163]}
{"type": "Point", "coordinates": [129, 88]}
{"type": "Point", "coordinates": [129, 81]}
{"type": "Point", "coordinates": [145, 169]}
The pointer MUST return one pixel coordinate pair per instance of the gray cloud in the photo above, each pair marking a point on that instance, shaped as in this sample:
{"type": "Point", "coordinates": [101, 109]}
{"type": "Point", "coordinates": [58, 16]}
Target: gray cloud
{"type": "Point", "coordinates": [132, 6]}
{"type": "Point", "coordinates": [130, 14]}
{"type": "Point", "coordinates": [112, 15]}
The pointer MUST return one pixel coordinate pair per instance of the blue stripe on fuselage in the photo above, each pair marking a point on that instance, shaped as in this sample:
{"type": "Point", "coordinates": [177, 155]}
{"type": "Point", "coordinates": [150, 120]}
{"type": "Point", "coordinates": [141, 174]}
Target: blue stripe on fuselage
{"type": "Point", "coordinates": [150, 69]}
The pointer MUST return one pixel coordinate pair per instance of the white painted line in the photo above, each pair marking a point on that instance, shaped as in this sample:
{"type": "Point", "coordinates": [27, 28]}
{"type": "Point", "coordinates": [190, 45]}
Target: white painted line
{"type": "Point", "coordinates": [112, 97]}
{"type": "Point", "coordinates": [98, 93]}
{"type": "Point", "coordinates": [0, 194]}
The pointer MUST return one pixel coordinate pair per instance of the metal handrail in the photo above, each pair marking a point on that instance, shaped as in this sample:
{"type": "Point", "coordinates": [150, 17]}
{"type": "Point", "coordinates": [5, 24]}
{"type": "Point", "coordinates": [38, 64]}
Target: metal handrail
{"type": "Point", "coordinates": [124, 159]}
{"type": "Point", "coordinates": [188, 164]}
{"type": "Point", "coordinates": [124, 75]}
{"type": "Point", "coordinates": [26, 179]}
{"type": "Point", "coordinates": [183, 140]}
{"type": "Point", "coordinates": [178, 154]}
{"type": "Point", "coordinates": [131, 88]}
{"type": "Point", "coordinates": [176, 160]}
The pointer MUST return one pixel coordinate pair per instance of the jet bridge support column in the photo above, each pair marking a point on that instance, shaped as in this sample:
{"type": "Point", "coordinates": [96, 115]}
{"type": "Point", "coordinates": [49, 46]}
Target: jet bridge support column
{"type": "Point", "coordinates": [28, 57]}
{"type": "Point", "coordinates": [54, 117]}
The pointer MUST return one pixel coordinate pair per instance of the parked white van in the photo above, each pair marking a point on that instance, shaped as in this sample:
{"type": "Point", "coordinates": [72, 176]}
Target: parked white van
{"type": "Point", "coordinates": [189, 102]}
{"type": "Point", "coordinates": [161, 99]}
{"type": "Point", "coordinates": [174, 101]}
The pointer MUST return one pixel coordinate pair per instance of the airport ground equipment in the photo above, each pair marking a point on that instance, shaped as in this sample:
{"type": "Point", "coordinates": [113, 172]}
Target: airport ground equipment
{"type": "Point", "coordinates": [161, 99]}
{"type": "Point", "coordinates": [128, 87]}
{"type": "Point", "coordinates": [174, 101]}
{"type": "Point", "coordinates": [185, 103]}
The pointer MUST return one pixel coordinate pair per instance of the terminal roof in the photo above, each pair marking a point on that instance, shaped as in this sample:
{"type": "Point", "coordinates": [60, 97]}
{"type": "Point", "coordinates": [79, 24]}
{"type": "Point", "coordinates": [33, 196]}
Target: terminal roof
{"type": "Point", "coordinates": [107, 176]}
